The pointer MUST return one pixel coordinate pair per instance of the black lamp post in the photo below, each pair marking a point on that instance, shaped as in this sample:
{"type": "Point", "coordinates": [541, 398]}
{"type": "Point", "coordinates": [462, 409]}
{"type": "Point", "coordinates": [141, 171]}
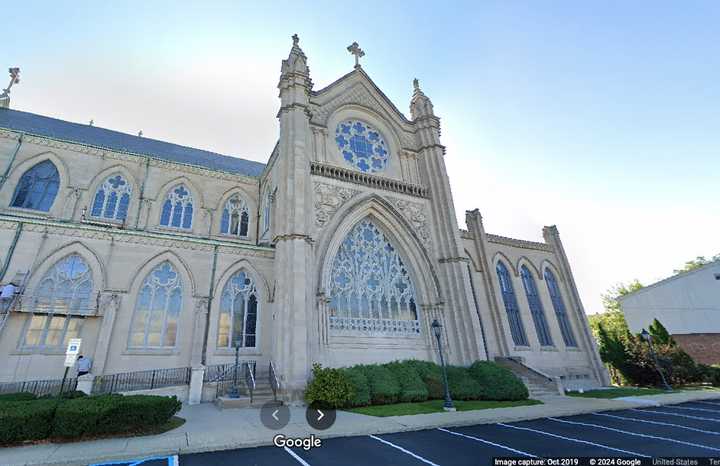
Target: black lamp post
{"type": "Point", "coordinates": [647, 337]}
{"type": "Point", "coordinates": [437, 331]}
{"type": "Point", "coordinates": [234, 392]}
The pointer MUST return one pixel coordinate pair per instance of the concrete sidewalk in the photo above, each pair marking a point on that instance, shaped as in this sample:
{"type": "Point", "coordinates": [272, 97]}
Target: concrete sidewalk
{"type": "Point", "coordinates": [209, 429]}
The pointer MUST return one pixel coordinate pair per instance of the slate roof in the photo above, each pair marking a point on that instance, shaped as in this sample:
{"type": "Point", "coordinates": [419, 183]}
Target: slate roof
{"type": "Point", "coordinates": [94, 136]}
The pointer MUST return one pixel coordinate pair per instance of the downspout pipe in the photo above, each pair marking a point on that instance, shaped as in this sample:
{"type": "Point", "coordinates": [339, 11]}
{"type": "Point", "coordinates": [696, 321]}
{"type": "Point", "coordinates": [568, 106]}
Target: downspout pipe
{"type": "Point", "coordinates": [211, 293]}
{"type": "Point", "coordinates": [142, 192]}
{"type": "Point", "coordinates": [12, 161]}
{"type": "Point", "coordinates": [11, 250]}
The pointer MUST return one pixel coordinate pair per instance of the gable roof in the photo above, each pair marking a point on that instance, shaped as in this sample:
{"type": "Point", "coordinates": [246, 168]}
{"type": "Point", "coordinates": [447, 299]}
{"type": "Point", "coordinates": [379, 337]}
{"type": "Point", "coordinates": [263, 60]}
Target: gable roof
{"type": "Point", "coordinates": [677, 276]}
{"type": "Point", "coordinates": [93, 136]}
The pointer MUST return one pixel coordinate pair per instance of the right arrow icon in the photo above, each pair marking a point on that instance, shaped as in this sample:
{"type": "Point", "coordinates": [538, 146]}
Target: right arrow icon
{"type": "Point", "coordinates": [321, 415]}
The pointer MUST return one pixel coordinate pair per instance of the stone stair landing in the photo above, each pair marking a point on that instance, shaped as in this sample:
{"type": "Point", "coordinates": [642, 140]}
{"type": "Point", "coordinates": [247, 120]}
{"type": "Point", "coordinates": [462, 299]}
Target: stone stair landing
{"type": "Point", "coordinates": [540, 386]}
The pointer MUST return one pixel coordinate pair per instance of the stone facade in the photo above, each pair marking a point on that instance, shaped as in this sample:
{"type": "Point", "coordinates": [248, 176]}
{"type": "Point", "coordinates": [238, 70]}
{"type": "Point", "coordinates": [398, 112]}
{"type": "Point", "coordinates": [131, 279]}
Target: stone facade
{"type": "Point", "coordinates": [301, 208]}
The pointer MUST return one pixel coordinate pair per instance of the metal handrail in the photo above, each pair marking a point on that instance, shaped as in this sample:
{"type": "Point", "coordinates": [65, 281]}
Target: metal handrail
{"type": "Point", "coordinates": [250, 379]}
{"type": "Point", "coordinates": [274, 382]}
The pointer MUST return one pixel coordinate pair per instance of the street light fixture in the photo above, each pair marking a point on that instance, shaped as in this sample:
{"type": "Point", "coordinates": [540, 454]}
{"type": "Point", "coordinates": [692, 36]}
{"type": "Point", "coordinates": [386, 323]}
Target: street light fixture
{"type": "Point", "coordinates": [647, 337]}
{"type": "Point", "coordinates": [437, 331]}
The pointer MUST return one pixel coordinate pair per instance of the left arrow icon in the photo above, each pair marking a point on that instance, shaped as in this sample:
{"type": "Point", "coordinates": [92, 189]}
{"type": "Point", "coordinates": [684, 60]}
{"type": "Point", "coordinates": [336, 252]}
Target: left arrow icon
{"type": "Point", "coordinates": [274, 415]}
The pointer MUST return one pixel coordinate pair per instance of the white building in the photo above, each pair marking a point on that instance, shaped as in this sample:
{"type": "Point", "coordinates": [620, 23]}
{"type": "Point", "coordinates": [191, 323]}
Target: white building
{"type": "Point", "coordinates": [688, 306]}
{"type": "Point", "coordinates": [342, 249]}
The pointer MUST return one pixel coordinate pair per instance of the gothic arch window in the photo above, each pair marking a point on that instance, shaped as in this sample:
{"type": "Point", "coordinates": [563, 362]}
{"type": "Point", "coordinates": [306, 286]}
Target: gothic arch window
{"type": "Point", "coordinates": [517, 331]}
{"type": "Point", "coordinates": [157, 310]}
{"type": "Point", "coordinates": [238, 313]}
{"type": "Point", "coordinates": [37, 188]}
{"type": "Point", "coordinates": [112, 199]}
{"type": "Point", "coordinates": [370, 289]}
{"type": "Point", "coordinates": [177, 210]}
{"type": "Point", "coordinates": [235, 217]}
{"type": "Point", "coordinates": [63, 292]}
{"type": "Point", "coordinates": [559, 306]}
{"type": "Point", "coordinates": [362, 146]}
{"type": "Point", "coordinates": [536, 307]}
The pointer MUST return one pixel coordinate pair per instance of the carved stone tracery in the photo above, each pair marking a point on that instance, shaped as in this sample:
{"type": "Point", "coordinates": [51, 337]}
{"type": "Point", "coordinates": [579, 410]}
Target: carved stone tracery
{"type": "Point", "coordinates": [328, 199]}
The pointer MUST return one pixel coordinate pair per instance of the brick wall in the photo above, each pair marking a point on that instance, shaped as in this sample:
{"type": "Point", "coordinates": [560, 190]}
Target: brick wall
{"type": "Point", "coordinates": [703, 347]}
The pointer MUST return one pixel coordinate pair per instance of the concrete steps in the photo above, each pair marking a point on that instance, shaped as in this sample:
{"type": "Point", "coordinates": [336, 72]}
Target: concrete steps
{"type": "Point", "coordinates": [539, 386]}
{"type": "Point", "coordinates": [262, 394]}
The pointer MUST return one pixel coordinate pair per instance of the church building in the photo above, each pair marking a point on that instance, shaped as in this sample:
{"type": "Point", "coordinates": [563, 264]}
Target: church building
{"type": "Point", "coordinates": [342, 249]}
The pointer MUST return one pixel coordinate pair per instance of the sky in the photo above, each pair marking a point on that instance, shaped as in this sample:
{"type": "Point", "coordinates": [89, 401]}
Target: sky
{"type": "Point", "coordinates": [601, 117]}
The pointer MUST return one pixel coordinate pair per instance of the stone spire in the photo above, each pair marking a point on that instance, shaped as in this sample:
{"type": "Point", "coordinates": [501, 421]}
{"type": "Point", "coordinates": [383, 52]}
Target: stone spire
{"type": "Point", "coordinates": [296, 61]}
{"type": "Point", "coordinates": [420, 104]}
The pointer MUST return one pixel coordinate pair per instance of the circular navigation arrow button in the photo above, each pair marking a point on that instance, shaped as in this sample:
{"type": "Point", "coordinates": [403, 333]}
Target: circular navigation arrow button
{"type": "Point", "coordinates": [274, 415]}
{"type": "Point", "coordinates": [320, 418]}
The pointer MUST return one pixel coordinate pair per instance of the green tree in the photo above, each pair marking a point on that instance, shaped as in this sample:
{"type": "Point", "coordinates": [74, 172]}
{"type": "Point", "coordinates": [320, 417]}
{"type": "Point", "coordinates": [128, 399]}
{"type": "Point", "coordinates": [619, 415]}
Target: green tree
{"type": "Point", "coordinates": [660, 334]}
{"type": "Point", "coordinates": [613, 319]}
{"type": "Point", "coordinates": [696, 263]}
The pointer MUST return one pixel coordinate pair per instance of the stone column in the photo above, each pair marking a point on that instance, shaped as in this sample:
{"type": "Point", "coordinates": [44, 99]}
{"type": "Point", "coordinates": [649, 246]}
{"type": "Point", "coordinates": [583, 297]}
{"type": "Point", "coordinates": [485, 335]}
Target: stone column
{"type": "Point", "coordinates": [108, 308]}
{"type": "Point", "coordinates": [461, 320]}
{"type": "Point", "coordinates": [196, 385]}
{"type": "Point", "coordinates": [552, 237]}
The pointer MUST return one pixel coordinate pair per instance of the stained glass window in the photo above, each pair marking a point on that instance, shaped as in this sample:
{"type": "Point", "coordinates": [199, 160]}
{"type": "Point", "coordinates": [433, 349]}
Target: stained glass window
{"type": "Point", "coordinates": [157, 310]}
{"type": "Point", "coordinates": [51, 331]}
{"type": "Point", "coordinates": [66, 288]}
{"type": "Point", "coordinates": [177, 210]}
{"type": "Point", "coordinates": [37, 187]}
{"type": "Point", "coordinates": [238, 313]}
{"type": "Point", "coordinates": [235, 217]}
{"type": "Point", "coordinates": [536, 307]}
{"type": "Point", "coordinates": [517, 331]}
{"type": "Point", "coordinates": [361, 145]}
{"type": "Point", "coordinates": [112, 199]}
{"type": "Point", "coordinates": [560, 312]}
{"type": "Point", "coordinates": [370, 288]}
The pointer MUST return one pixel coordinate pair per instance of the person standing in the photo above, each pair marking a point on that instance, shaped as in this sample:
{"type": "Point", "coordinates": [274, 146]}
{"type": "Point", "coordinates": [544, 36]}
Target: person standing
{"type": "Point", "coordinates": [83, 365]}
{"type": "Point", "coordinates": [6, 295]}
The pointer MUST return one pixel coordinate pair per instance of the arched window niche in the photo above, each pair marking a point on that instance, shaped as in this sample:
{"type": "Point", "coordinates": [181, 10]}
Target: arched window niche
{"type": "Point", "coordinates": [370, 290]}
{"type": "Point", "coordinates": [112, 199]}
{"type": "Point", "coordinates": [559, 306]}
{"type": "Point", "coordinates": [37, 187]}
{"type": "Point", "coordinates": [536, 307]}
{"type": "Point", "coordinates": [235, 220]}
{"type": "Point", "coordinates": [517, 331]}
{"type": "Point", "coordinates": [238, 313]}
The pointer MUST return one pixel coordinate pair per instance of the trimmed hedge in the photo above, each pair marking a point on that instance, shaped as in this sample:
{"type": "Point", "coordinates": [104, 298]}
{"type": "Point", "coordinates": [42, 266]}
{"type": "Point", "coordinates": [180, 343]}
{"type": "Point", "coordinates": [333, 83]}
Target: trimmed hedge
{"type": "Point", "coordinates": [329, 388]}
{"type": "Point", "coordinates": [412, 387]}
{"type": "Point", "coordinates": [431, 375]}
{"type": "Point", "coordinates": [79, 415]}
{"type": "Point", "coordinates": [462, 385]}
{"type": "Point", "coordinates": [411, 381]}
{"type": "Point", "coordinates": [384, 388]}
{"type": "Point", "coordinates": [497, 382]}
{"type": "Point", "coordinates": [20, 396]}
{"type": "Point", "coordinates": [107, 414]}
{"type": "Point", "coordinates": [26, 420]}
{"type": "Point", "coordinates": [360, 384]}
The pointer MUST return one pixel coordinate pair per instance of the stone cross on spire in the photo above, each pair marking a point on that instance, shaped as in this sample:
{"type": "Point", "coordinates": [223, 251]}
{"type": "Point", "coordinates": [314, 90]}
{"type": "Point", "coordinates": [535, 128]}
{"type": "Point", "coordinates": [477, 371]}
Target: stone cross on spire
{"type": "Point", "coordinates": [355, 49]}
{"type": "Point", "coordinates": [14, 79]}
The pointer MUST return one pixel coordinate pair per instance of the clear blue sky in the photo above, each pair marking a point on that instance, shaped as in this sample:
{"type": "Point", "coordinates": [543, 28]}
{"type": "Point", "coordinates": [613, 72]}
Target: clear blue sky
{"type": "Point", "coordinates": [601, 117]}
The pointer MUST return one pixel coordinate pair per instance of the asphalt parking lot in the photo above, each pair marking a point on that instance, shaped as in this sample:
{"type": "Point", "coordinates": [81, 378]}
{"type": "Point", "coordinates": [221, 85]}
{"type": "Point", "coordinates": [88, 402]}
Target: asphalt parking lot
{"type": "Point", "coordinates": [688, 429]}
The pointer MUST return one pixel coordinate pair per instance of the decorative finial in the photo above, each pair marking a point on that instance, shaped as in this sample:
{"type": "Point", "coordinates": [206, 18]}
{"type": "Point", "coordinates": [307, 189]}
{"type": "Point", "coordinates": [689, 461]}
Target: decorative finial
{"type": "Point", "coordinates": [296, 40]}
{"type": "Point", "coordinates": [355, 49]}
{"type": "Point", "coordinates": [140, 133]}
{"type": "Point", "coordinates": [92, 122]}
{"type": "Point", "coordinates": [416, 84]}
{"type": "Point", "coordinates": [14, 79]}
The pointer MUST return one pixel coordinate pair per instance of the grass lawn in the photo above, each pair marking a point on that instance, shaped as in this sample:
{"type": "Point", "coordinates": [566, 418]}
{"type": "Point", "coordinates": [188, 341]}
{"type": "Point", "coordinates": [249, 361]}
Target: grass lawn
{"type": "Point", "coordinates": [436, 406]}
{"type": "Point", "coordinates": [632, 391]}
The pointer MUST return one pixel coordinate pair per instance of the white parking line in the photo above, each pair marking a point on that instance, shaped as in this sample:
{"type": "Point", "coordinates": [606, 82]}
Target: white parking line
{"type": "Point", "coordinates": [407, 452]}
{"type": "Point", "coordinates": [577, 440]}
{"type": "Point", "coordinates": [174, 460]}
{"type": "Point", "coordinates": [665, 413]}
{"type": "Point", "coordinates": [295, 455]}
{"type": "Point", "coordinates": [672, 440]}
{"type": "Point", "coordinates": [691, 409]}
{"type": "Point", "coordinates": [624, 418]}
{"type": "Point", "coordinates": [488, 442]}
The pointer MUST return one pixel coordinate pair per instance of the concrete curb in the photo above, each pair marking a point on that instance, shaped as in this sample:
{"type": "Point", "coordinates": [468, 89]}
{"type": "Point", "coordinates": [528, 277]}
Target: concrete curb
{"type": "Point", "coordinates": [252, 434]}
